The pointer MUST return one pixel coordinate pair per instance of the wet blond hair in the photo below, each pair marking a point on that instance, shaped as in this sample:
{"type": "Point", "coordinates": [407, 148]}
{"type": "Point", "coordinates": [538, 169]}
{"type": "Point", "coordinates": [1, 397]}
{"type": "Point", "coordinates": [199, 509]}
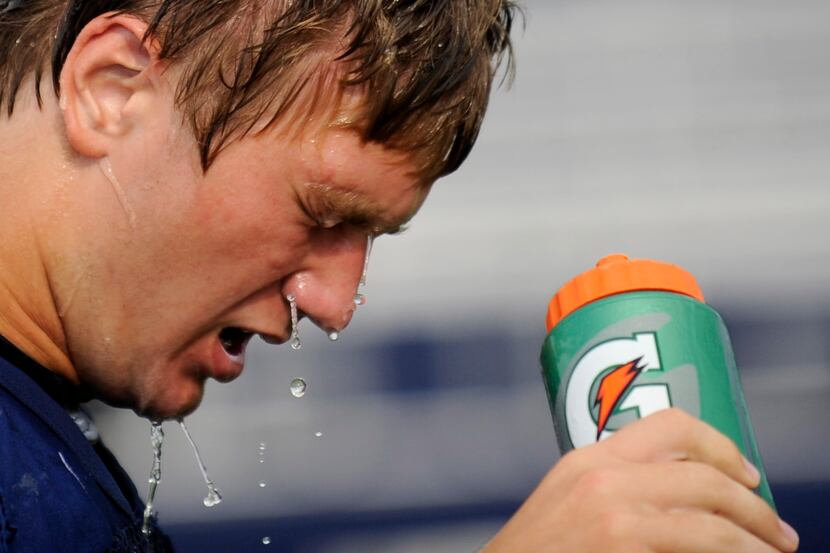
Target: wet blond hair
{"type": "Point", "coordinates": [423, 68]}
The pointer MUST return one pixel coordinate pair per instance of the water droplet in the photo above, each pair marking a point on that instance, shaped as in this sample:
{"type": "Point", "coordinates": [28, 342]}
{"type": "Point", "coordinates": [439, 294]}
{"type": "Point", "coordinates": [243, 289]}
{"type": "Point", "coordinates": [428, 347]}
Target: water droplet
{"type": "Point", "coordinates": [262, 446]}
{"type": "Point", "coordinates": [156, 439]}
{"type": "Point", "coordinates": [298, 387]}
{"type": "Point", "coordinates": [359, 298]}
{"type": "Point", "coordinates": [266, 540]}
{"type": "Point", "coordinates": [369, 241]}
{"type": "Point", "coordinates": [295, 321]}
{"type": "Point", "coordinates": [106, 168]}
{"type": "Point", "coordinates": [334, 335]}
{"type": "Point", "coordinates": [318, 434]}
{"type": "Point", "coordinates": [213, 497]}
{"type": "Point", "coordinates": [262, 460]}
{"type": "Point", "coordinates": [262, 483]}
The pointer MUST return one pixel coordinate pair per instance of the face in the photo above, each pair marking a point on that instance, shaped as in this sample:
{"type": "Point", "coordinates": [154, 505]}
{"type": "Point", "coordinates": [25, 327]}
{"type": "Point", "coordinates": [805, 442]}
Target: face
{"type": "Point", "coordinates": [179, 268]}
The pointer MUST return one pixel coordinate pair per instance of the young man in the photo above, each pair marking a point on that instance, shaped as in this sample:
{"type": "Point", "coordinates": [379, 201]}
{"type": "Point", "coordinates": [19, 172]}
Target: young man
{"type": "Point", "coordinates": [192, 168]}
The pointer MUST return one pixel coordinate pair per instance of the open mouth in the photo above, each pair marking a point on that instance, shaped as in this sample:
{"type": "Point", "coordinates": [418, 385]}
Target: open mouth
{"type": "Point", "coordinates": [234, 340]}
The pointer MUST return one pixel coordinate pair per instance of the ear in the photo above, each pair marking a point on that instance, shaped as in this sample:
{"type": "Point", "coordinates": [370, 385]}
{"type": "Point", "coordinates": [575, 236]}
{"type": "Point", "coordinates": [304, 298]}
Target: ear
{"type": "Point", "coordinates": [107, 82]}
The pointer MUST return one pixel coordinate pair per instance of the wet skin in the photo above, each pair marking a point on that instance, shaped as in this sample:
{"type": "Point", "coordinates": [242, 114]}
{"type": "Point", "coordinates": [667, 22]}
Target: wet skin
{"type": "Point", "coordinates": [124, 260]}
{"type": "Point", "coordinates": [271, 218]}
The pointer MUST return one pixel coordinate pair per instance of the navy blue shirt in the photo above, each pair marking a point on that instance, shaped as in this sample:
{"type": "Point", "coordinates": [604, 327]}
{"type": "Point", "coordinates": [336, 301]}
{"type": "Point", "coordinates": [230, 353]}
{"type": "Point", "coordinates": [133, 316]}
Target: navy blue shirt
{"type": "Point", "coordinates": [58, 491]}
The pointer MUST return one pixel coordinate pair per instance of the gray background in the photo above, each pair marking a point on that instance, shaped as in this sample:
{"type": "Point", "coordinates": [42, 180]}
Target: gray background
{"type": "Point", "coordinates": [695, 132]}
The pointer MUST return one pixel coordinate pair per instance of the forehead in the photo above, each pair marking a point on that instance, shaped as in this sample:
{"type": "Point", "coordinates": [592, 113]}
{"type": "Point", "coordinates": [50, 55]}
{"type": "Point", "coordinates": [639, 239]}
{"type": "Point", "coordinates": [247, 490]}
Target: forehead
{"type": "Point", "coordinates": [327, 103]}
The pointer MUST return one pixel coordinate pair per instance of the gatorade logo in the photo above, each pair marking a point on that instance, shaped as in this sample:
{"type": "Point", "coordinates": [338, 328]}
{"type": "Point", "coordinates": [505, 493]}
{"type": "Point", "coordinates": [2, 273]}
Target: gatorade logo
{"type": "Point", "coordinates": [610, 380]}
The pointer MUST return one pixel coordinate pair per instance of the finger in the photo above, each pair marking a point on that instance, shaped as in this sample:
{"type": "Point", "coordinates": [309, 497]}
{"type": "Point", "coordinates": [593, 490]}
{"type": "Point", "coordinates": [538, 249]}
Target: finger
{"type": "Point", "coordinates": [672, 435]}
{"type": "Point", "coordinates": [700, 532]}
{"type": "Point", "coordinates": [696, 486]}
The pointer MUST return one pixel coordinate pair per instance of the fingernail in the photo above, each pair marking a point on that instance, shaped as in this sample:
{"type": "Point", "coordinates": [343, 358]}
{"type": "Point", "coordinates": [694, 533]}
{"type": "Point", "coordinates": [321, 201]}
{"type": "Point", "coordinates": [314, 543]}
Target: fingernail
{"type": "Point", "coordinates": [789, 532]}
{"type": "Point", "coordinates": [753, 472]}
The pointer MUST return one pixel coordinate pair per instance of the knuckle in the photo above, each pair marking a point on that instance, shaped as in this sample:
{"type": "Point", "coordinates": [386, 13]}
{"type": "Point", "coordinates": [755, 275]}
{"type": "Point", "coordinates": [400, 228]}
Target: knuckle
{"type": "Point", "coordinates": [710, 525]}
{"type": "Point", "coordinates": [568, 466]}
{"type": "Point", "coordinates": [723, 493]}
{"type": "Point", "coordinates": [731, 454]}
{"type": "Point", "coordinates": [615, 526]}
{"type": "Point", "coordinates": [566, 472]}
{"type": "Point", "coordinates": [571, 461]}
{"type": "Point", "coordinates": [619, 531]}
{"type": "Point", "coordinates": [596, 482]}
{"type": "Point", "coordinates": [691, 430]}
{"type": "Point", "coordinates": [578, 461]}
{"type": "Point", "coordinates": [676, 416]}
{"type": "Point", "coordinates": [684, 426]}
{"type": "Point", "coordinates": [726, 456]}
{"type": "Point", "coordinates": [707, 476]}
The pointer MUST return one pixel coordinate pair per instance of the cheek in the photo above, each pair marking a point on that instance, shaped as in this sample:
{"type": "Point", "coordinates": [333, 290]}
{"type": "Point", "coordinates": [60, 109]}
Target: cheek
{"type": "Point", "coordinates": [250, 237]}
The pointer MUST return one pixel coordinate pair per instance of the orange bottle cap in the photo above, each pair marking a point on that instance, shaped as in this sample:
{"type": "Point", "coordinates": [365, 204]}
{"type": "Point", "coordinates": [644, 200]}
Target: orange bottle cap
{"type": "Point", "coordinates": [616, 274]}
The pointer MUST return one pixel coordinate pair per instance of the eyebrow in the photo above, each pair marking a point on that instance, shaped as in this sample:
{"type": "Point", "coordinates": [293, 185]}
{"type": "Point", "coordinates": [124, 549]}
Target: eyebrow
{"type": "Point", "coordinates": [354, 208]}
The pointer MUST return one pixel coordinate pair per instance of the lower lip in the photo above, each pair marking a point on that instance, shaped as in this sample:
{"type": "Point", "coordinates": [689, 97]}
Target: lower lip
{"type": "Point", "coordinates": [224, 367]}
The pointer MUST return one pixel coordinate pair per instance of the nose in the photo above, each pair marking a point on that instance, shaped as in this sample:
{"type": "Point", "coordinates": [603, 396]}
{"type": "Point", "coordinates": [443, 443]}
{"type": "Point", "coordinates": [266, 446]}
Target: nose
{"type": "Point", "coordinates": [325, 287]}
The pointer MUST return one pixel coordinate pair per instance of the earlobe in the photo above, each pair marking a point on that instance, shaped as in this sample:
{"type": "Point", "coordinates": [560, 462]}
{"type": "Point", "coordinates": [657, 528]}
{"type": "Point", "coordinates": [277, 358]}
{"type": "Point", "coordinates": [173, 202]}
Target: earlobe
{"type": "Point", "coordinates": [105, 82]}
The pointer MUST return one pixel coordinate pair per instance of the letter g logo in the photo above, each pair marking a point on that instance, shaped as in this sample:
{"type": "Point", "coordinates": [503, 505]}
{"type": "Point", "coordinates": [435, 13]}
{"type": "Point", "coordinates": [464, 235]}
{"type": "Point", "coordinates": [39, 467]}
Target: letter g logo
{"type": "Point", "coordinates": [617, 364]}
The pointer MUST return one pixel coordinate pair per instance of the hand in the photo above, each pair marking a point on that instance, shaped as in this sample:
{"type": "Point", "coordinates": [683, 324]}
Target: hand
{"type": "Point", "coordinates": [668, 483]}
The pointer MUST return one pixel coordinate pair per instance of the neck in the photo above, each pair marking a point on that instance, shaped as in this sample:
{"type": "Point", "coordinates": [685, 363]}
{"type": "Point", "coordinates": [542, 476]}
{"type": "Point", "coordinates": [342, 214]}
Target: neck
{"type": "Point", "coordinates": [29, 315]}
{"type": "Point", "coordinates": [33, 326]}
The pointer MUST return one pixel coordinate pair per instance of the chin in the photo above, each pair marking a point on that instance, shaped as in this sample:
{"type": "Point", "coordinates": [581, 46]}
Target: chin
{"type": "Point", "coordinates": [171, 401]}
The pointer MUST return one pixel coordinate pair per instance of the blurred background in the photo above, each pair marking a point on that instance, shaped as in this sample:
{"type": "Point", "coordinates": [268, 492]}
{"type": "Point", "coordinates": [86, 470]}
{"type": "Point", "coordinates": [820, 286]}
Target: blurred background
{"type": "Point", "coordinates": [693, 132]}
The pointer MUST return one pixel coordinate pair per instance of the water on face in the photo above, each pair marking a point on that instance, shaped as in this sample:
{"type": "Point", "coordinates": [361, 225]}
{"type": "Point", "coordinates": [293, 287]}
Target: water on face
{"type": "Point", "coordinates": [106, 168]}
{"type": "Point", "coordinates": [295, 321]}
{"type": "Point", "coordinates": [359, 297]}
{"type": "Point", "coordinates": [369, 241]}
{"type": "Point", "coordinates": [156, 439]}
{"type": "Point", "coordinates": [213, 497]}
{"type": "Point", "coordinates": [298, 387]}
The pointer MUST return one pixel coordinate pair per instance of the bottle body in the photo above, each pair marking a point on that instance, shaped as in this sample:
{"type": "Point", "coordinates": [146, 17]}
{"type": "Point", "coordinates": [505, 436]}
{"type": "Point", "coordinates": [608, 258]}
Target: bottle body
{"type": "Point", "coordinates": [626, 356]}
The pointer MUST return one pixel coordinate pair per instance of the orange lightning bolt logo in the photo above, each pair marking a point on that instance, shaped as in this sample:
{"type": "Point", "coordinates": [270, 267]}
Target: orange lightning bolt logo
{"type": "Point", "coordinates": [613, 388]}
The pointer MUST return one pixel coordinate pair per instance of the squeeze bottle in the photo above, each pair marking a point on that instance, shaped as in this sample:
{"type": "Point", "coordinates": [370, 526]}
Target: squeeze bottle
{"type": "Point", "coordinates": [631, 337]}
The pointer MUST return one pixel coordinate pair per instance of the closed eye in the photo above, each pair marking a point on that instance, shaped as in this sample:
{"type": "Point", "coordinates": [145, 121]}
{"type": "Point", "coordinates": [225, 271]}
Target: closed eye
{"type": "Point", "coordinates": [328, 207]}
